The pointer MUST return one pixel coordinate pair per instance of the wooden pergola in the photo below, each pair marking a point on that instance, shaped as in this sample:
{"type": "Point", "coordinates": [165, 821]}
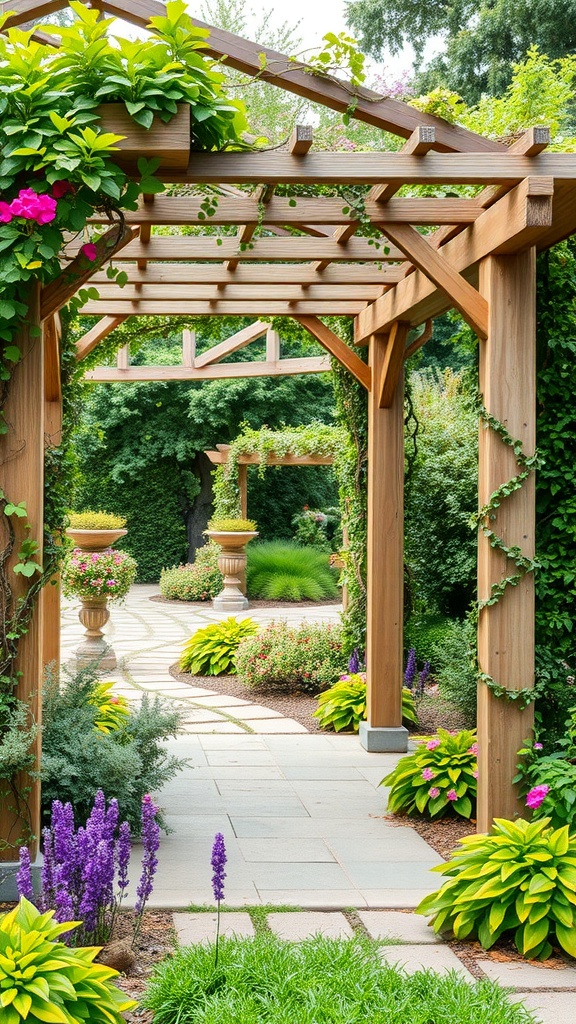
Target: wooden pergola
{"type": "Point", "coordinates": [305, 261]}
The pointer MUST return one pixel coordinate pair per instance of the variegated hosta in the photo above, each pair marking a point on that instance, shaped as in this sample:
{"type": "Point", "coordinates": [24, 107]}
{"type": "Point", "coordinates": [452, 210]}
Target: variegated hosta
{"type": "Point", "coordinates": [343, 706]}
{"type": "Point", "coordinates": [439, 777]}
{"type": "Point", "coordinates": [520, 879]}
{"type": "Point", "coordinates": [42, 981]}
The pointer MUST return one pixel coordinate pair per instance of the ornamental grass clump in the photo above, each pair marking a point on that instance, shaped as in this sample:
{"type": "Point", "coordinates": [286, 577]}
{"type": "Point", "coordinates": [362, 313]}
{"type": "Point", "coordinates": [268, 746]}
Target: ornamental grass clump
{"type": "Point", "coordinates": [519, 883]}
{"type": "Point", "coordinates": [210, 651]}
{"type": "Point", "coordinates": [287, 658]}
{"type": "Point", "coordinates": [284, 571]}
{"type": "Point", "coordinates": [438, 778]}
{"type": "Point", "coordinates": [85, 869]}
{"type": "Point", "coordinates": [43, 981]}
{"type": "Point", "coordinates": [199, 581]}
{"type": "Point", "coordinates": [89, 574]}
{"type": "Point", "coordinates": [343, 706]}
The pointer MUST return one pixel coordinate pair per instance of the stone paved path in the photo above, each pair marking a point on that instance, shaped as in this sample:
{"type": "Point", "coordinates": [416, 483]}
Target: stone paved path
{"type": "Point", "coordinates": [302, 813]}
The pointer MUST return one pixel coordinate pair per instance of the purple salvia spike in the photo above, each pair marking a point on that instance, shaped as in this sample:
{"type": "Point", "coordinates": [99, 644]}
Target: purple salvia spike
{"type": "Point", "coordinates": [410, 672]}
{"type": "Point", "coordinates": [151, 842]}
{"type": "Point", "coordinates": [123, 850]}
{"type": "Point", "coordinates": [47, 900]}
{"type": "Point", "coordinates": [24, 875]}
{"type": "Point", "coordinates": [354, 662]}
{"type": "Point", "coordinates": [112, 815]}
{"type": "Point", "coordinates": [218, 861]}
{"type": "Point", "coordinates": [423, 677]}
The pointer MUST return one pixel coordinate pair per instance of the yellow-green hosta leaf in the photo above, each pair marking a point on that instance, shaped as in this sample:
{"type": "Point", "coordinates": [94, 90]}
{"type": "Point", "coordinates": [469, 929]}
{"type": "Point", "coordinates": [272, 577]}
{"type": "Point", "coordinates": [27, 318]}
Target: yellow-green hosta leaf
{"type": "Point", "coordinates": [22, 1003]}
{"type": "Point", "coordinates": [496, 916]}
{"type": "Point", "coordinates": [533, 935]}
{"type": "Point", "coordinates": [539, 884]}
{"type": "Point", "coordinates": [567, 938]}
{"type": "Point", "coordinates": [563, 914]}
{"type": "Point", "coordinates": [8, 996]}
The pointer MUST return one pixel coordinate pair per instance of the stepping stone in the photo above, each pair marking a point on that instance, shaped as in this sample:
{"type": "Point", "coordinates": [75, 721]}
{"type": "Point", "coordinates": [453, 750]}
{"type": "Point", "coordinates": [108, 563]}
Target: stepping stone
{"type": "Point", "coordinates": [195, 928]}
{"type": "Point", "coordinates": [294, 927]}
{"type": "Point", "coordinates": [428, 957]}
{"type": "Point", "coordinates": [274, 725]}
{"type": "Point", "coordinates": [549, 1007]}
{"type": "Point", "coordinates": [390, 924]}
{"type": "Point", "coordinates": [525, 976]}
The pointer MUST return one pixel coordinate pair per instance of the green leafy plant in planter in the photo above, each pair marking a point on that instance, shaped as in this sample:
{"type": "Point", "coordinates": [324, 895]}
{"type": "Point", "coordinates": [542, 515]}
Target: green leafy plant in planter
{"type": "Point", "coordinates": [210, 651]}
{"type": "Point", "coordinates": [42, 981]}
{"type": "Point", "coordinates": [517, 882]}
{"type": "Point", "coordinates": [439, 777]}
{"type": "Point", "coordinates": [343, 706]}
{"type": "Point", "coordinates": [96, 521]}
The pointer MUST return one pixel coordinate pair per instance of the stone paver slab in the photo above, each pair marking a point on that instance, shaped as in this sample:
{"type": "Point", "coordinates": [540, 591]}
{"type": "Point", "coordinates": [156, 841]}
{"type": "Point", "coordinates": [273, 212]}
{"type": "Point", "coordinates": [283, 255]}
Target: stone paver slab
{"type": "Point", "coordinates": [328, 899]}
{"type": "Point", "coordinates": [390, 924]}
{"type": "Point", "coordinates": [274, 725]}
{"type": "Point", "coordinates": [195, 928]}
{"type": "Point", "coordinates": [294, 927]}
{"type": "Point", "coordinates": [525, 976]}
{"type": "Point", "coordinates": [549, 1007]}
{"type": "Point", "coordinates": [281, 850]}
{"type": "Point", "coordinates": [415, 958]}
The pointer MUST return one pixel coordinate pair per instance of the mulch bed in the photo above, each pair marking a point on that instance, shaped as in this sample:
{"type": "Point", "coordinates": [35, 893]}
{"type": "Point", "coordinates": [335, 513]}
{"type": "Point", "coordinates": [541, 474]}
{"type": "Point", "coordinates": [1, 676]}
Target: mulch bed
{"type": "Point", "coordinates": [255, 603]}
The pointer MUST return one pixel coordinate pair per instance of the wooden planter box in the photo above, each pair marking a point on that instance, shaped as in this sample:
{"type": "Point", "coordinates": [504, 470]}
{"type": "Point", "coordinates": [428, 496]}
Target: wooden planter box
{"type": "Point", "coordinates": [169, 143]}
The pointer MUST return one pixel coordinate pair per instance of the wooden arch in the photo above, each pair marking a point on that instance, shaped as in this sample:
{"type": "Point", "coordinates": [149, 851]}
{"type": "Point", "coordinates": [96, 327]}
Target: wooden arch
{"type": "Point", "coordinates": [305, 262]}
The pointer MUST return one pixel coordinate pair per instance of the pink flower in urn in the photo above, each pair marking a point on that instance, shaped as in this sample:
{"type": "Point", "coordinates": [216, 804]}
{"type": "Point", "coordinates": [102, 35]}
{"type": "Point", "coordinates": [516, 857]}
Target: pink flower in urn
{"type": "Point", "coordinates": [537, 796]}
{"type": "Point", "coordinates": [433, 792]}
{"type": "Point", "coordinates": [452, 795]}
{"type": "Point", "coordinates": [90, 251]}
{"type": "Point", "coordinates": [432, 744]}
{"type": "Point", "coordinates": [110, 583]}
{"type": "Point", "coordinates": [428, 774]}
{"type": "Point", "coordinates": [97, 583]}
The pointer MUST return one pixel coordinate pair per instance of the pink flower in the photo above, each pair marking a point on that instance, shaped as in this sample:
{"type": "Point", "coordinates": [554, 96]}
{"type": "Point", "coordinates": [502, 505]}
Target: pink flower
{"type": "Point", "coordinates": [538, 746]}
{"type": "Point", "coordinates": [428, 774]}
{"type": "Point", "coordinates": [433, 792]}
{"type": "Point", "coordinates": [97, 583]}
{"type": "Point", "coordinates": [473, 749]}
{"type": "Point", "coordinates": [451, 794]}
{"type": "Point", "coordinates": [5, 213]}
{"type": "Point", "coordinates": [432, 744]}
{"type": "Point", "coordinates": [31, 206]}
{"type": "Point", "coordinates": [94, 557]}
{"type": "Point", "coordinates": [90, 251]}
{"type": "Point", "coordinates": [60, 188]}
{"type": "Point", "coordinates": [113, 700]}
{"type": "Point", "coordinates": [537, 795]}
{"type": "Point", "coordinates": [110, 583]}
{"type": "Point", "coordinates": [475, 774]}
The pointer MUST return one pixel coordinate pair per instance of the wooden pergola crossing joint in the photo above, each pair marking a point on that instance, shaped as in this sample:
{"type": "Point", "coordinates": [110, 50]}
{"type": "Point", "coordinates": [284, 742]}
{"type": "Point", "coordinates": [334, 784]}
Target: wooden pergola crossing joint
{"type": "Point", "coordinates": [462, 295]}
{"type": "Point", "coordinates": [337, 348]}
{"type": "Point", "coordinates": [88, 342]}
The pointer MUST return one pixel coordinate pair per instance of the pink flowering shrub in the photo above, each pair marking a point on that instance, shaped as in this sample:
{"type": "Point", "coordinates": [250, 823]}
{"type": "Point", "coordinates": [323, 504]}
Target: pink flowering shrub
{"type": "Point", "coordinates": [107, 573]}
{"type": "Point", "coordinates": [286, 658]}
{"type": "Point", "coordinates": [198, 581]}
{"type": "Point", "coordinates": [439, 778]}
{"type": "Point", "coordinates": [548, 782]}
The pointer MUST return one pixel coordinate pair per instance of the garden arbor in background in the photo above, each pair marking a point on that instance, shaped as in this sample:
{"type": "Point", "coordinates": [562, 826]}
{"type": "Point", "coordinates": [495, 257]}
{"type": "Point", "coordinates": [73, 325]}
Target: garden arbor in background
{"type": "Point", "coordinates": [300, 257]}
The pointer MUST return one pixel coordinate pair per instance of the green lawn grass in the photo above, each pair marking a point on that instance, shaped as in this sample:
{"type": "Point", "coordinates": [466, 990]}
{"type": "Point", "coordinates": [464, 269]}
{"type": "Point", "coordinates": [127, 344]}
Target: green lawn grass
{"type": "Point", "coordinates": [320, 981]}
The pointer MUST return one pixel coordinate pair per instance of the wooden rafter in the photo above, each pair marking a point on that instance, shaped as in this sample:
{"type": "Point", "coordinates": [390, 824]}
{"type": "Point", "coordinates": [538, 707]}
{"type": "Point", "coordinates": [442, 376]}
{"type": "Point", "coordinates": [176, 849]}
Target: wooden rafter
{"type": "Point", "coordinates": [254, 273]}
{"type": "Point", "coordinates": [513, 223]}
{"type": "Point", "coordinates": [462, 295]}
{"type": "Point", "coordinates": [177, 210]}
{"type": "Point", "coordinates": [236, 341]}
{"type": "Point", "coordinates": [80, 270]}
{"type": "Point", "coordinates": [392, 364]}
{"type": "Point", "coordinates": [275, 168]}
{"type": "Point", "coordinates": [220, 458]}
{"type": "Point", "coordinates": [206, 248]}
{"type": "Point", "coordinates": [217, 371]}
{"type": "Point", "coordinates": [222, 290]}
{"type": "Point", "coordinates": [337, 348]}
{"type": "Point", "coordinates": [223, 307]}
{"type": "Point", "coordinates": [88, 342]}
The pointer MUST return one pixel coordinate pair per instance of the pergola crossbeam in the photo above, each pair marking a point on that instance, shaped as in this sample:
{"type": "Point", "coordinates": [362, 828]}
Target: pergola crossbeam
{"type": "Point", "coordinates": [337, 348]}
{"type": "Point", "coordinates": [213, 371]}
{"type": "Point", "coordinates": [88, 342]}
{"type": "Point", "coordinates": [232, 344]}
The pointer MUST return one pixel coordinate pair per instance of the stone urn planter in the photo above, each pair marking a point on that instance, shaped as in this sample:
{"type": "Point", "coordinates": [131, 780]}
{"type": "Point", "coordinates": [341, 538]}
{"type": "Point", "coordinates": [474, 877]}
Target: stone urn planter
{"type": "Point", "coordinates": [93, 551]}
{"type": "Point", "coordinates": [232, 565]}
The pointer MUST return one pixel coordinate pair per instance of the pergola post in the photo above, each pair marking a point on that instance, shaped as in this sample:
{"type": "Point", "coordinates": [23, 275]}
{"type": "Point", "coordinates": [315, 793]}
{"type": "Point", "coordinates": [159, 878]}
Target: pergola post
{"type": "Point", "coordinates": [51, 594]}
{"type": "Point", "coordinates": [506, 629]}
{"type": "Point", "coordinates": [383, 729]}
{"type": "Point", "coordinates": [22, 479]}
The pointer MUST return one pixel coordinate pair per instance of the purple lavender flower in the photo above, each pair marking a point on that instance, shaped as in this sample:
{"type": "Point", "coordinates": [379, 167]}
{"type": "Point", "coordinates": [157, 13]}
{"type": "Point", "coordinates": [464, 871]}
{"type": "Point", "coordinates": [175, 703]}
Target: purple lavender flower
{"type": "Point", "coordinates": [218, 861]}
{"type": "Point", "coordinates": [410, 673]}
{"type": "Point", "coordinates": [24, 875]}
{"type": "Point", "coordinates": [47, 897]}
{"type": "Point", "coordinates": [151, 842]}
{"type": "Point", "coordinates": [354, 662]}
{"type": "Point", "coordinates": [423, 676]}
{"type": "Point", "coordinates": [123, 849]}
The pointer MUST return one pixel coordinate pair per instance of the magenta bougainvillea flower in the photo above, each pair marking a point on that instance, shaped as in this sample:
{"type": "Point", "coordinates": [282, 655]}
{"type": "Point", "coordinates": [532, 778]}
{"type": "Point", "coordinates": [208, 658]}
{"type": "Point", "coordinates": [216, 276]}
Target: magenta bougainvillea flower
{"type": "Point", "coordinates": [90, 251]}
{"type": "Point", "coordinates": [537, 796]}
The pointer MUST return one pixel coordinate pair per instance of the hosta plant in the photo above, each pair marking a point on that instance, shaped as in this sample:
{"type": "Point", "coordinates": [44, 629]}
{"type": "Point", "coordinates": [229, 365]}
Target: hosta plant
{"type": "Point", "coordinates": [42, 981]}
{"type": "Point", "coordinates": [112, 710]}
{"type": "Point", "coordinates": [343, 706]}
{"type": "Point", "coordinates": [518, 882]}
{"type": "Point", "coordinates": [211, 651]}
{"type": "Point", "coordinates": [440, 776]}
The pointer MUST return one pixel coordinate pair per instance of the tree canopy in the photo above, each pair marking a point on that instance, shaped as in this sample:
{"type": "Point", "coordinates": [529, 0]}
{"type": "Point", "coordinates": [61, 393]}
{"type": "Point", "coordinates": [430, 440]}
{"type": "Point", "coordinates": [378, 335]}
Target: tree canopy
{"type": "Point", "coordinates": [482, 40]}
